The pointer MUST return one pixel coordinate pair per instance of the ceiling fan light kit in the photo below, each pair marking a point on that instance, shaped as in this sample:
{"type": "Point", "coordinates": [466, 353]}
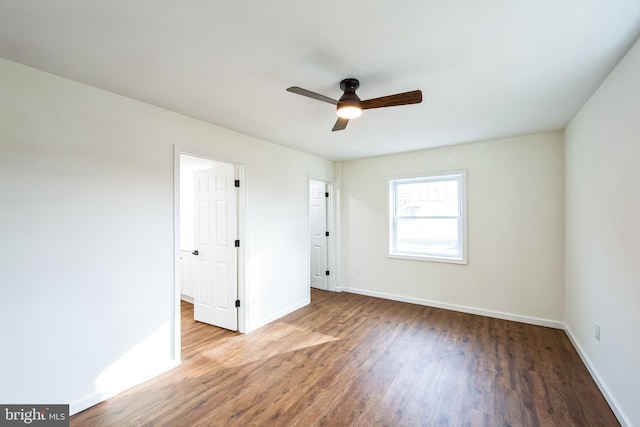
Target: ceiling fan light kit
{"type": "Point", "coordinates": [349, 106]}
{"type": "Point", "coordinates": [349, 111]}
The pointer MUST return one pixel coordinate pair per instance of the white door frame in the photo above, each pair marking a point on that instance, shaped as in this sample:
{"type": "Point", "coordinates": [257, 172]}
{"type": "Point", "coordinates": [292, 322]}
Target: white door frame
{"type": "Point", "coordinates": [332, 264]}
{"type": "Point", "coordinates": [243, 310]}
{"type": "Point", "coordinates": [332, 243]}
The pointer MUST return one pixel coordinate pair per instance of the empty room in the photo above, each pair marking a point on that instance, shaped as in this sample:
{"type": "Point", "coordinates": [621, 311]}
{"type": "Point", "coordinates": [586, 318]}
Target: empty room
{"type": "Point", "coordinates": [338, 213]}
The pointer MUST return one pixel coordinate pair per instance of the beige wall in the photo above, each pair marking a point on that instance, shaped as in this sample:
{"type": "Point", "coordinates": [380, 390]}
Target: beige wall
{"type": "Point", "coordinates": [603, 234]}
{"type": "Point", "coordinates": [515, 230]}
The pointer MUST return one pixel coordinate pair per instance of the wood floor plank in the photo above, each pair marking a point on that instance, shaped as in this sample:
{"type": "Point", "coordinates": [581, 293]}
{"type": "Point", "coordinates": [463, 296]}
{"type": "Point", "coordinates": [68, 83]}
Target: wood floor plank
{"type": "Point", "coordinates": [351, 360]}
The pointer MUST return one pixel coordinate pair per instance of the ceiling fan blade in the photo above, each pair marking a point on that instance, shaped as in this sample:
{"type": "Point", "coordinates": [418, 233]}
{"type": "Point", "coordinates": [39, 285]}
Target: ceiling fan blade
{"type": "Point", "coordinates": [309, 94]}
{"type": "Point", "coordinates": [340, 124]}
{"type": "Point", "coordinates": [404, 98]}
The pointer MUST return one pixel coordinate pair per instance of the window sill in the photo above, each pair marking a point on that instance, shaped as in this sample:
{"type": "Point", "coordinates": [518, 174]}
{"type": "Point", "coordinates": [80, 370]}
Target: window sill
{"type": "Point", "coordinates": [429, 258]}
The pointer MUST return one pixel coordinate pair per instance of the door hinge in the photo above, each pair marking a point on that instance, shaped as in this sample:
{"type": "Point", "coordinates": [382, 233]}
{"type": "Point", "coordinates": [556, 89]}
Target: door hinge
{"type": "Point", "coordinates": [326, 194]}
{"type": "Point", "coordinates": [237, 183]}
{"type": "Point", "coordinates": [237, 303]}
{"type": "Point", "coordinates": [326, 273]}
{"type": "Point", "coordinates": [326, 233]}
{"type": "Point", "coordinates": [237, 243]}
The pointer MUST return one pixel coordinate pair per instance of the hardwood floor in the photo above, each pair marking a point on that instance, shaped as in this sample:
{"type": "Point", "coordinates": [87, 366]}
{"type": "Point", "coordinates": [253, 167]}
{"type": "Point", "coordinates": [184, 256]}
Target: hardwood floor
{"type": "Point", "coordinates": [351, 360]}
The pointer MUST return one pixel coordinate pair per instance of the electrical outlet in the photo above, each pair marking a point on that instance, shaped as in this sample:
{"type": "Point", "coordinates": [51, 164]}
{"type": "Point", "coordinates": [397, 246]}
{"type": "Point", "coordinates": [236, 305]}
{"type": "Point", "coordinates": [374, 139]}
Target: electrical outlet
{"type": "Point", "coordinates": [597, 331]}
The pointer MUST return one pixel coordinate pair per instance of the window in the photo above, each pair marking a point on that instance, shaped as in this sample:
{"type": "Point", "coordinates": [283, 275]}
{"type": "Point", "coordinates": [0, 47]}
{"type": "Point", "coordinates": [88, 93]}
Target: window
{"type": "Point", "coordinates": [427, 217]}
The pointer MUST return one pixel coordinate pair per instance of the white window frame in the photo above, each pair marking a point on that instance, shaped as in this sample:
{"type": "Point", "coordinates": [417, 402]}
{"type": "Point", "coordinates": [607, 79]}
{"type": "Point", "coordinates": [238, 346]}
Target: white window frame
{"type": "Point", "coordinates": [461, 177]}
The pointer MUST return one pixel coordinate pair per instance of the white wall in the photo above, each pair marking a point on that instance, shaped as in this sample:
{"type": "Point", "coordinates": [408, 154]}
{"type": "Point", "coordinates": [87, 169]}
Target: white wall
{"type": "Point", "coordinates": [86, 226]}
{"type": "Point", "coordinates": [187, 196]}
{"type": "Point", "coordinates": [603, 234]}
{"type": "Point", "coordinates": [515, 230]}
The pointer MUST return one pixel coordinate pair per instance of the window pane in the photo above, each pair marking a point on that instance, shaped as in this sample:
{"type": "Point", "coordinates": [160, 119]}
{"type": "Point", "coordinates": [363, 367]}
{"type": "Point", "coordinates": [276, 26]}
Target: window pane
{"type": "Point", "coordinates": [435, 198]}
{"type": "Point", "coordinates": [427, 236]}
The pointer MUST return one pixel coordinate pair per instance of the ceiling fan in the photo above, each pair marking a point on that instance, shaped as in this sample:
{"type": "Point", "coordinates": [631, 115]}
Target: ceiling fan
{"type": "Point", "coordinates": [349, 106]}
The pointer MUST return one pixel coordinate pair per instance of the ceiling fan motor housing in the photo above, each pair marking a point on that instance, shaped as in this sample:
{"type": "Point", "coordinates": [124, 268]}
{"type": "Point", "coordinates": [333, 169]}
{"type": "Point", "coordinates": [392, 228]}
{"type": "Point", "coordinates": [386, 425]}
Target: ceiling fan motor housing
{"type": "Point", "coordinates": [349, 98]}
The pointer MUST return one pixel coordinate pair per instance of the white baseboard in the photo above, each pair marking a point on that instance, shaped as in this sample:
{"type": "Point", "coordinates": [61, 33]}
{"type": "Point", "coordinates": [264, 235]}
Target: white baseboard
{"type": "Point", "coordinates": [186, 298]}
{"type": "Point", "coordinates": [102, 395]}
{"type": "Point", "coordinates": [280, 314]}
{"type": "Point", "coordinates": [613, 403]}
{"type": "Point", "coordinates": [461, 308]}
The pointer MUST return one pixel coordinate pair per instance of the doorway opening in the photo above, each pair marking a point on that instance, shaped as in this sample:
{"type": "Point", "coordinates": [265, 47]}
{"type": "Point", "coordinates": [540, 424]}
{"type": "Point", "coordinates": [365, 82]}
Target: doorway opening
{"type": "Point", "coordinates": [208, 212]}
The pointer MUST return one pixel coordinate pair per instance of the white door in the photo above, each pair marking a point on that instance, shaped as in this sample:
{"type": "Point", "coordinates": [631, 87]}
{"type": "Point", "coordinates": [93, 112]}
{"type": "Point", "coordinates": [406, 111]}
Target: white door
{"type": "Point", "coordinates": [318, 220]}
{"type": "Point", "coordinates": [215, 229]}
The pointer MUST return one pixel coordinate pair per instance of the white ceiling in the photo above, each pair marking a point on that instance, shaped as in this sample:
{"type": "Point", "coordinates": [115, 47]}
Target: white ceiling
{"type": "Point", "coordinates": [487, 69]}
